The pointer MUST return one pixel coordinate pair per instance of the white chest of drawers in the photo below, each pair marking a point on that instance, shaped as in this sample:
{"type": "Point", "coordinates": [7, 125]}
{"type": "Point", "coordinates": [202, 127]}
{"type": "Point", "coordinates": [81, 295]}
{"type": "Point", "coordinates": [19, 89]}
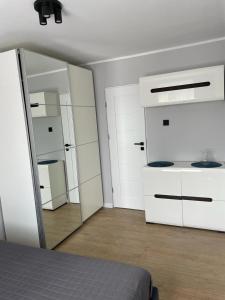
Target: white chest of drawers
{"type": "Point", "coordinates": [185, 196]}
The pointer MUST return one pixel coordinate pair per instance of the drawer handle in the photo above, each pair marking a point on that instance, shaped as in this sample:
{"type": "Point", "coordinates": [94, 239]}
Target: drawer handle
{"type": "Point", "coordinates": [189, 198]}
{"type": "Point", "coordinates": [34, 105]}
{"type": "Point", "coordinates": [180, 87]}
{"type": "Point", "coordinates": [172, 197]}
{"type": "Point", "coordinates": [201, 199]}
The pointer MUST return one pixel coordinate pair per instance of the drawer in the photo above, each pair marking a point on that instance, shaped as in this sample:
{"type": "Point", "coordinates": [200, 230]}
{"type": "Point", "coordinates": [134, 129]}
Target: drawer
{"type": "Point", "coordinates": [167, 182]}
{"type": "Point", "coordinates": [204, 183]}
{"type": "Point", "coordinates": [44, 175]}
{"type": "Point", "coordinates": [46, 195]}
{"type": "Point", "coordinates": [207, 215]}
{"type": "Point", "coordinates": [55, 203]}
{"type": "Point", "coordinates": [163, 211]}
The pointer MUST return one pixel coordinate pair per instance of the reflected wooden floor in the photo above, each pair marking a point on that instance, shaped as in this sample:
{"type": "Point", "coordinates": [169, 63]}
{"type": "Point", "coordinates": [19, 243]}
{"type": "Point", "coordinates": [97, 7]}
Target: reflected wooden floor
{"type": "Point", "coordinates": [60, 223]}
{"type": "Point", "coordinates": [186, 264]}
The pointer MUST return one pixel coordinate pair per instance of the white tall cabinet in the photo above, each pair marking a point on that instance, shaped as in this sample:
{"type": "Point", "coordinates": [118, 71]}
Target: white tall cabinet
{"type": "Point", "coordinates": [20, 192]}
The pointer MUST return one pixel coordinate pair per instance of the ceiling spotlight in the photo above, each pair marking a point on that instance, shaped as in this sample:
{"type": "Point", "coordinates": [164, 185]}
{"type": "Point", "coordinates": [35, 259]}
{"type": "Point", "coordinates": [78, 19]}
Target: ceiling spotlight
{"type": "Point", "coordinates": [46, 8]}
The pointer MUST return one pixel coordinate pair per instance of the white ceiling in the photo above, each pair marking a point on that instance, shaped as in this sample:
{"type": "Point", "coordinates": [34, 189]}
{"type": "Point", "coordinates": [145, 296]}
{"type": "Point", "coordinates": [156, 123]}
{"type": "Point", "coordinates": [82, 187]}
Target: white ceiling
{"type": "Point", "coordinates": [102, 29]}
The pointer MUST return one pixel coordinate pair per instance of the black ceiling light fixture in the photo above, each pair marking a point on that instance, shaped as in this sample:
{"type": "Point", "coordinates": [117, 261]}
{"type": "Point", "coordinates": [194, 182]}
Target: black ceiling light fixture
{"type": "Point", "coordinates": [46, 8]}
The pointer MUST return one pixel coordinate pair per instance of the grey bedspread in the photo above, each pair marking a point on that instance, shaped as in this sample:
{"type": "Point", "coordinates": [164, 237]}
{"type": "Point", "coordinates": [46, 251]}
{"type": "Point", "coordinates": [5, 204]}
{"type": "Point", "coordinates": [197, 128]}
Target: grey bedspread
{"type": "Point", "coordinates": [38, 274]}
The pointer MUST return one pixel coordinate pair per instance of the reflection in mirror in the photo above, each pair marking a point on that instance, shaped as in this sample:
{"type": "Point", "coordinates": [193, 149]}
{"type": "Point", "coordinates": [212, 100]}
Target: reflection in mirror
{"type": "Point", "coordinates": [55, 146]}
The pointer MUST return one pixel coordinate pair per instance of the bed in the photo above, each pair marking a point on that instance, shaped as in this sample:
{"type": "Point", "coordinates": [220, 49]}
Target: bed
{"type": "Point", "coordinates": [37, 274]}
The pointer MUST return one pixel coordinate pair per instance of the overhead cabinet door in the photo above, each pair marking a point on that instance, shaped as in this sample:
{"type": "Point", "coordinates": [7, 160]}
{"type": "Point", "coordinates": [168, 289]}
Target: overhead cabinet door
{"type": "Point", "coordinates": [198, 85]}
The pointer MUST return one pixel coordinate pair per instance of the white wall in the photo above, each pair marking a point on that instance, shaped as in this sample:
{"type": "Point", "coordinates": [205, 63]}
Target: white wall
{"type": "Point", "coordinates": [193, 129]}
{"type": "Point", "coordinates": [128, 71]}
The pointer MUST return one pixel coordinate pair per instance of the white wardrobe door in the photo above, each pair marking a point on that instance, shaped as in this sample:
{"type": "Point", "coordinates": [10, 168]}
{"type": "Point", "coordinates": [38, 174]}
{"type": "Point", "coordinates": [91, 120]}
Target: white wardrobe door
{"type": "Point", "coordinates": [91, 197]}
{"type": "Point", "coordinates": [16, 184]}
{"type": "Point", "coordinates": [81, 85]}
{"type": "Point", "coordinates": [86, 125]}
{"type": "Point", "coordinates": [88, 161]}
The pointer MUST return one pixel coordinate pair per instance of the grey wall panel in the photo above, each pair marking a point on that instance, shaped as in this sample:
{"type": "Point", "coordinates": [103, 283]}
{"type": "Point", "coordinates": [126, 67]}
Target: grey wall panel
{"type": "Point", "coordinates": [128, 71]}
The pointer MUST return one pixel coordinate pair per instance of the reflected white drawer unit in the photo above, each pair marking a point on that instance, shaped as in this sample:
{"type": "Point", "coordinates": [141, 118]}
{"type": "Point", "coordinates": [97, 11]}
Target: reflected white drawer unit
{"type": "Point", "coordinates": [53, 185]}
{"type": "Point", "coordinates": [185, 196]}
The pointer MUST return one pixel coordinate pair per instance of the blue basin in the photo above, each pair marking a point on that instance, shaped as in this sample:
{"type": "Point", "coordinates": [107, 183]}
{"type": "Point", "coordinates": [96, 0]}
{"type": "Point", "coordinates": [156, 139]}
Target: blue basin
{"type": "Point", "coordinates": [160, 164]}
{"type": "Point", "coordinates": [206, 164]}
{"type": "Point", "coordinates": [47, 162]}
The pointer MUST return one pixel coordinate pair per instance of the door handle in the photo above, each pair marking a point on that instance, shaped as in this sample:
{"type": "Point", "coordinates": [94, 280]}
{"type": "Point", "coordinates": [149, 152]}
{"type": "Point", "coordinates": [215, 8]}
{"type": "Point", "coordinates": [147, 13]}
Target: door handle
{"type": "Point", "coordinates": [139, 144]}
{"type": "Point", "coordinates": [67, 145]}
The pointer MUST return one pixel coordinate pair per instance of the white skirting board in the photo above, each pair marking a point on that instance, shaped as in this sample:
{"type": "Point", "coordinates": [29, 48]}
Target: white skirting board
{"type": "Point", "coordinates": [108, 205]}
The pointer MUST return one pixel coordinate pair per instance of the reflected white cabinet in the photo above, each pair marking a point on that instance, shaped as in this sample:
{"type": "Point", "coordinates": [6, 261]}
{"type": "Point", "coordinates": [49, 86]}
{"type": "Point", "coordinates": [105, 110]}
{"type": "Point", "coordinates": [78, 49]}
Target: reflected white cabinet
{"type": "Point", "coordinates": [44, 104]}
{"type": "Point", "coordinates": [53, 185]}
{"type": "Point", "coordinates": [185, 197]}
{"type": "Point", "coordinates": [190, 86]}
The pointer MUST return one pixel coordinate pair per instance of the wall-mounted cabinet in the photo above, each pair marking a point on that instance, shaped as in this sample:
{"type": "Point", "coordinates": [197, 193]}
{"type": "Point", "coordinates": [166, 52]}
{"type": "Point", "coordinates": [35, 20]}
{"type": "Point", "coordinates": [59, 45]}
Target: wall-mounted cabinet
{"type": "Point", "coordinates": [190, 86]}
{"type": "Point", "coordinates": [52, 175]}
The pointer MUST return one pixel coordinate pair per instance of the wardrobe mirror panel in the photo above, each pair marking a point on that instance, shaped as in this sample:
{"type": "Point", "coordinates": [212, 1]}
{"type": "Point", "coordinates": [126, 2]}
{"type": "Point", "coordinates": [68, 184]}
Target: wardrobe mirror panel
{"type": "Point", "coordinates": [55, 147]}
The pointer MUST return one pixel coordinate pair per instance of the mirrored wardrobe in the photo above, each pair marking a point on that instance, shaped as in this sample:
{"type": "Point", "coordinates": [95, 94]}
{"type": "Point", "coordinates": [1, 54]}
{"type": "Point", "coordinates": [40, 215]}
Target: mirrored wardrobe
{"type": "Point", "coordinates": [59, 117]}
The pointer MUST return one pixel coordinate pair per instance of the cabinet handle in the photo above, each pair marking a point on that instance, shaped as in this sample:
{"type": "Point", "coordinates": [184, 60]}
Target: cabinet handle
{"type": "Point", "coordinates": [42, 187]}
{"type": "Point", "coordinates": [34, 105]}
{"type": "Point", "coordinates": [180, 87]}
{"type": "Point", "coordinates": [201, 199]}
{"type": "Point", "coordinates": [139, 144]}
{"type": "Point", "coordinates": [172, 197]}
{"type": "Point", "coordinates": [188, 198]}
{"type": "Point", "coordinates": [67, 145]}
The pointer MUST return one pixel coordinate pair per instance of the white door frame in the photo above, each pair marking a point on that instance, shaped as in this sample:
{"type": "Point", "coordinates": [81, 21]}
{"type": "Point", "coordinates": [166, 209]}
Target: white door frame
{"type": "Point", "coordinates": [112, 137]}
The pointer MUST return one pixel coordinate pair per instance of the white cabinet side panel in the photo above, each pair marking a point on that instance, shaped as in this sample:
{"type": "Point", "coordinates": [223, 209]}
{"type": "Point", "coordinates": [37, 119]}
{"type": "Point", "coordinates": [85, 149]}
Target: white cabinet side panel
{"type": "Point", "coordinates": [16, 185]}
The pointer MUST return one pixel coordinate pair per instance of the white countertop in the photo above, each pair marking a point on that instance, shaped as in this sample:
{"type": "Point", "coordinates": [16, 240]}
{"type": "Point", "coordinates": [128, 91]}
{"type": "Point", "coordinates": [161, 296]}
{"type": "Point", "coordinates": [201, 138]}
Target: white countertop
{"type": "Point", "coordinates": [187, 165]}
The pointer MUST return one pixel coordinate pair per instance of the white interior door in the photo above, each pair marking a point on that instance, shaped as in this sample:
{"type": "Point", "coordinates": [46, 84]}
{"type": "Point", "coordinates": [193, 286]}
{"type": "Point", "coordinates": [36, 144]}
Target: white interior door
{"type": "Point", "coordinates": [126, 125]}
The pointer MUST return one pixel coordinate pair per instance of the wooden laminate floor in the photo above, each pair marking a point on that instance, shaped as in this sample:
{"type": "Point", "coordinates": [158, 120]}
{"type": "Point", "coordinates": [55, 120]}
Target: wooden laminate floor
{"type": "Point", "coordinates": [185, 263]}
